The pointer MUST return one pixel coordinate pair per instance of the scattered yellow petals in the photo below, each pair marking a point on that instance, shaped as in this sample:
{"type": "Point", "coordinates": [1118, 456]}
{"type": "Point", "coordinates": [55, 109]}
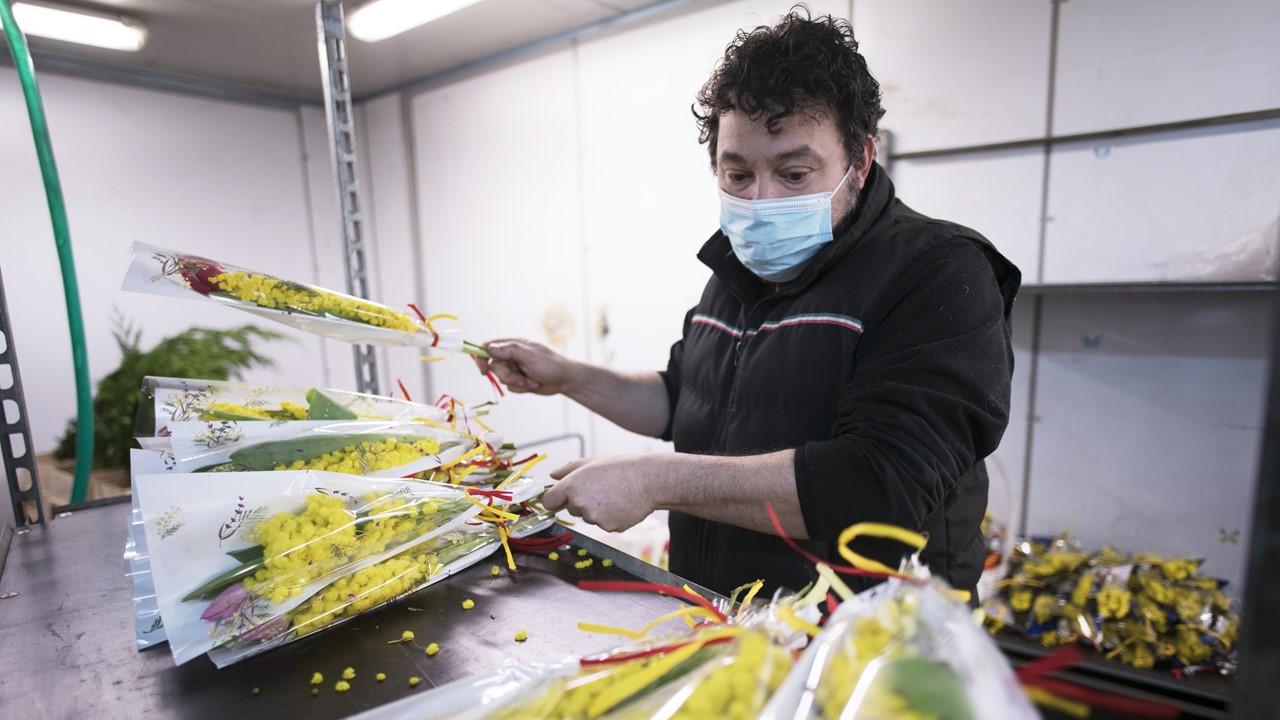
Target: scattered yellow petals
{"type": "Point", "coordinates": [468, 604]}
{"type": "Point", "coordinates": [342, 686]}
{"type": "Point", "coordinates": [413, 681]}
{"type": "Point", "coordinates": [432, 649]}
{"type": "Point", "coordinates": [607, 562]}
{"type": "Point", "coordinates": [406, 636]}
{"type": "Point", "coordinates": [582, 552]}
{"type": "Point", "coordinates": [316, 678]}
{"type": "Point", "coordinates": [495, 571]}
{"type": "Point", "coordinates": [521, 636]}
{"type": "Point", "coordinates": [380, 677]}
{"type": "Point", "coordinates": [584, 564]}
{"type": "Point", "coordinates": [553, 555]}
{"type": "Point", "coordinates": [348, 673]}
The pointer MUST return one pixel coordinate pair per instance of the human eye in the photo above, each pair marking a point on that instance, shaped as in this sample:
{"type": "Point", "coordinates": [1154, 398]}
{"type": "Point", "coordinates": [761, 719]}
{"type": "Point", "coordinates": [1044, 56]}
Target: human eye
{"type": "Point", "coordinates": [796, 176]}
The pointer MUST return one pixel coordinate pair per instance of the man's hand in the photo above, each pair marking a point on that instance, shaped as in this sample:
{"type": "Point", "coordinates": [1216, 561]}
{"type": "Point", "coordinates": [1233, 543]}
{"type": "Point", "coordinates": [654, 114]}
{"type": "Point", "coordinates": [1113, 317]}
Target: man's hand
{"type": "Point", "coordinates": [613, 493]}
{"type": "Point", "coordinates": [528, 367]}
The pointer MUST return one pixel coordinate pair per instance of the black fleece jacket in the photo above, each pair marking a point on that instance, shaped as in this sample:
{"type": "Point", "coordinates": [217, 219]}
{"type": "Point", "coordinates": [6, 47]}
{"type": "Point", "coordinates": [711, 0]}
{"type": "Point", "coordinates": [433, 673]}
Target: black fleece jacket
{"type": "Point", "coordinates": [886, 365]}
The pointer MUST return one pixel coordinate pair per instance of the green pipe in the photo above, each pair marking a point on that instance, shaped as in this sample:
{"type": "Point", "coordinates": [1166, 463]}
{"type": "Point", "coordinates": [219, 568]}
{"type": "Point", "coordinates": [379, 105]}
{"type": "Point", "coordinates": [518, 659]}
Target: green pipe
{"type": "Point", "coordinates": [62, 239]}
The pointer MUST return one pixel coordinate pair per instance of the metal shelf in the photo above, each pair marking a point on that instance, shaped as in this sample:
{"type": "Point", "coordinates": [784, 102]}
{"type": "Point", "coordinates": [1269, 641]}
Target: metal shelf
{"type": "Point", "coordinates": [1207, 696]}
{"type": "Point", "coordinates": [1147, 288]}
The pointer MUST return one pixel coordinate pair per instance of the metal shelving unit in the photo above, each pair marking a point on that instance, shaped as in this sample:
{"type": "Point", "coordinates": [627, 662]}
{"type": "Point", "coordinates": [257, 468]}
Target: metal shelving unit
{"type": "Point", "coordinates": [331, 42]}
{"type": "Point", "coordinates": [15, 434]}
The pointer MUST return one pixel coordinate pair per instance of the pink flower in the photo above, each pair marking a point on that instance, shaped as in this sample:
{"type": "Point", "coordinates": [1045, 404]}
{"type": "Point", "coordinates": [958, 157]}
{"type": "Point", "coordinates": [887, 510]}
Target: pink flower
{"type": "Point", "coordinates": [225, 605]}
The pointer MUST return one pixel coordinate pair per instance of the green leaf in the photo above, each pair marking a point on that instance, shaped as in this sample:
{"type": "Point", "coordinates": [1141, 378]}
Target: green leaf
{"type": "Point", "coordinates": [929, 687]}
{"type": "Point", "coordinates": [197, 353]}
{"type": "Point", "coordinates": [322, 407]}
{"type": "Point", "coordinates": [247, 555]}
{"type": "Point", "coordinates": [217, 583]}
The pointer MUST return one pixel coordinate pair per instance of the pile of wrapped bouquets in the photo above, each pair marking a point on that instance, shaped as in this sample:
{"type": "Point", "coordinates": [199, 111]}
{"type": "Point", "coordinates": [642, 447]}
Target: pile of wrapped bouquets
{"type": "Point", "coordinates": [264, 514]}
{"type": "Point", "coordinates": [1145, 610]}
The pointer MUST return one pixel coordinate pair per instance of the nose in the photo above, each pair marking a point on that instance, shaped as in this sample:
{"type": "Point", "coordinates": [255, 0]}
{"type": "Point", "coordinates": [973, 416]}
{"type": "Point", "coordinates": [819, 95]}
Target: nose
{"type": "Point", "coordinates": [767, 189]}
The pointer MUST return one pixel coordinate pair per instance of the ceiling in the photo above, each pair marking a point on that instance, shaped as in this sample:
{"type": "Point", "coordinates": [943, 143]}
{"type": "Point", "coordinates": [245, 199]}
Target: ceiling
{"type": "Point", "coordinates": [270, 45]}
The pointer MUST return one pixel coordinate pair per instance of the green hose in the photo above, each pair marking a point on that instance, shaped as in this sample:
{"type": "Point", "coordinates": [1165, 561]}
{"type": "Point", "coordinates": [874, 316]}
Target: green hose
{"type": "Point", "coordinates": [62, 239]}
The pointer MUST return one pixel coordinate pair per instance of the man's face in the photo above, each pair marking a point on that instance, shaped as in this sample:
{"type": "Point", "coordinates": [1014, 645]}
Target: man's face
{"type": "Point", "coordinates": [805, 155]}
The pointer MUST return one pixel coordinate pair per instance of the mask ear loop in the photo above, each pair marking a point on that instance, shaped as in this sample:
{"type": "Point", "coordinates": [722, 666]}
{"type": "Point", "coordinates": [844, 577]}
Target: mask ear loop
{"type": "Point", "coordinates": [843, 180]}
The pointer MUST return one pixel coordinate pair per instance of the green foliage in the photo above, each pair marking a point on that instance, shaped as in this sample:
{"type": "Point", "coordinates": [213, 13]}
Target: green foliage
{"type": "Point", "coordinates": [198, 353]}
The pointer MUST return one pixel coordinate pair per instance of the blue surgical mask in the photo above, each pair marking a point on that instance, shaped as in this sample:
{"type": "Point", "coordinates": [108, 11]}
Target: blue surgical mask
{"type": "Point", "coordinates": [774, 238]}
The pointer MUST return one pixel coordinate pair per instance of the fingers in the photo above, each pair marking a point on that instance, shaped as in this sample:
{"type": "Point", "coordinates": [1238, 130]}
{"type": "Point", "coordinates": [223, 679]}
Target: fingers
{"type": "Point", "coordinates": [510, 374]}
{"type": "Point", "coordinates": [569, 467]}
{"type": "Point", "coordinates": [482, 364]}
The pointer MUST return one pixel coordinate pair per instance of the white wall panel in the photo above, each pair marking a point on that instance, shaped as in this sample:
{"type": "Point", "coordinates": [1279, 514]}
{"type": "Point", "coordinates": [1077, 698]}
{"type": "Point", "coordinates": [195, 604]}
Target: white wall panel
{"type": "Point", "coordinates": [1192, 205]}
{"type": "Point", "coordinates": [995, 193]}
{"type": "Point", "coordinates": [498, 195]}
{"type": "Point", "coordinates": [215, 178]}
{"type": "Point", "coordinates": [326, 243]}
{"type": "Point", "coordinates": [1150, 412]}
{"type": "Point", "coordinates": [957, 73]}
{"type": "Point", "coordinates": [649, 196]}
{"type": "Point", "coordinates": [388, 204]}
{"type": "Point", "coordinates": [1006, 466]}
{"type": "Point", "coordinates": [1151, 61]}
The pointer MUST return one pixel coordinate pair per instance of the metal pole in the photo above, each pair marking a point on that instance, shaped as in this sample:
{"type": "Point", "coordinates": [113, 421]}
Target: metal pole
{"type": "Point", "coordinates": [13, 424]}
{"type": "Point", "coordinates": [1255, 684]}
{"type": "Point", "coordinates": [332, 44]}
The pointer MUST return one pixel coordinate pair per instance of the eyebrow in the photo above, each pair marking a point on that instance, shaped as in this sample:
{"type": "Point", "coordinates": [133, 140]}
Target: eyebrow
{"type": "Point", "coordinates": [803, 151]}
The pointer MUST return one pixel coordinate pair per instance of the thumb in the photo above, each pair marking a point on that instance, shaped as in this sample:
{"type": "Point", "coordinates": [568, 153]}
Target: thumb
{"type": "Point", "coordinates": [507, 350]}
{"type": "Point", "coordinates": [556, 498]}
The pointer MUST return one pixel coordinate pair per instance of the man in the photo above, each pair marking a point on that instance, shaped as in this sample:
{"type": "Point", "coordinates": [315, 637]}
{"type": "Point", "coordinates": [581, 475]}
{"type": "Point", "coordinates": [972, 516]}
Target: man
{"type": "Point", "coordinates": [849, 359]}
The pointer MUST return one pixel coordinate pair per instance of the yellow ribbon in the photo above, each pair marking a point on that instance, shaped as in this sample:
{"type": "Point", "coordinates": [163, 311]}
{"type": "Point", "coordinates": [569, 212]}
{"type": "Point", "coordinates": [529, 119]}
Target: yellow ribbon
{"type": "Point", "coordinates": [464, 456]}
{"type": "Point", "coordinates": [687, 612]}
{"type": "Point", "coordinates": [506, 546]}
{"type": "Point", "coordinates": [637, 681]}
{"type": "Point", "coordinates": [751, 595]}
{"type": "Point", "coordinates": [789, 617]}
{"type": "Point", "coordinates": [843, 591]}
{"type": "Point", "coordinates": [689, 621]}
{"type": "Point", "coordinates": [1067, 707]}
{"type": "Point", "coordinates": [521, 471]}
{"type": "Point", "coordinates": [881, 530]}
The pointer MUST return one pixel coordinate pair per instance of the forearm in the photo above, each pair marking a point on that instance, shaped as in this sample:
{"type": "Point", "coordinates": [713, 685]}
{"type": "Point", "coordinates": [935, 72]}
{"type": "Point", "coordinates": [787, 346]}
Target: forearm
{"type": "Point", "coordinates": [732, 490]}
{"type": "Point", "coordinates": [634, 401]}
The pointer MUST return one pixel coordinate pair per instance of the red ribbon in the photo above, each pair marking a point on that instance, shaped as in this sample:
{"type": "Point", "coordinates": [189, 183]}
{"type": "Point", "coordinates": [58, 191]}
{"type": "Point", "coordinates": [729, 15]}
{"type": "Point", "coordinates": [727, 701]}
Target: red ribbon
{"type": "Point", "coordinates": [435, 336]}
{"type": "Point", "coordinates": [660, 650]}
{"type": "Point", "coordinates": [1036, 674]}
{"type": "Point", "coordinates": [491, 494]}
{"type": "Point", "coordinates": [660, 589]}
{"type": "Point", "coordinates": [541, 545]}
{"type": "Point", "coordinates": [493, 380]}
{"type": "Point", "coordinates": [842, 569]}
{"type": "Point", "coordinates": [403, 391]}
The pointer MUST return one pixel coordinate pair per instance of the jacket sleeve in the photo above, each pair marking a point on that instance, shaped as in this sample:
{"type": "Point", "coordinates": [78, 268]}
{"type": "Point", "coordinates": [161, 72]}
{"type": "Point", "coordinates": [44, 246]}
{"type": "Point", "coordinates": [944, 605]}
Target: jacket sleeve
{"type": "Point", "coordinates": [671, 376]}
{"type": "Point", "coordinates": [929, 398]}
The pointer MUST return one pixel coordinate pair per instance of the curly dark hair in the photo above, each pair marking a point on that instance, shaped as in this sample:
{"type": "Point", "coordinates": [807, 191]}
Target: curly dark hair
{"type": "Point", "coordinates": [801, 64]}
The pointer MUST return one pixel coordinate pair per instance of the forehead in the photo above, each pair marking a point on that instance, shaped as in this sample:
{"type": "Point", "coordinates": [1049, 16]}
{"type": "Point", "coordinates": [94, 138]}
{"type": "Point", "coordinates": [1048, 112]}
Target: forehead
{"type": "Point", "coordinates": [752, 139]}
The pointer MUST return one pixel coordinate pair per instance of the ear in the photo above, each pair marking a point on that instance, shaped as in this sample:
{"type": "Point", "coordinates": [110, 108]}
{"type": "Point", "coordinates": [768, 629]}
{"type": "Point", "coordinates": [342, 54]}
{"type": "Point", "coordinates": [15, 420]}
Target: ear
{"type": "Point", "coordinates": [868, 157]}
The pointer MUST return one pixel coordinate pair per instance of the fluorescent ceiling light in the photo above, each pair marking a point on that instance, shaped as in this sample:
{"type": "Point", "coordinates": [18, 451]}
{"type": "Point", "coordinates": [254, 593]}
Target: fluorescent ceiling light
{"type": "Point", "coordinates": [102, 31]}
{"type": "Point", "coordinates": [381, 19]}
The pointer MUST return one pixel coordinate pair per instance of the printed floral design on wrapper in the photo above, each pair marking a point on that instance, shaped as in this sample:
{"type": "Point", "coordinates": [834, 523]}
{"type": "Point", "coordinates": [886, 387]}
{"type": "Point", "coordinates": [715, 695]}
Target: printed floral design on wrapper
{"type": "Point", "coordinates": [169, 523]}
{"type": "Point", "coordinates": [220, 434]}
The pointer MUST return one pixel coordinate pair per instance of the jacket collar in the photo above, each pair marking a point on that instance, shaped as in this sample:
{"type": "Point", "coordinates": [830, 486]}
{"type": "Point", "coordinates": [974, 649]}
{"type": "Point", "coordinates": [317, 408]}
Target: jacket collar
{"type": "Point", "coordinates": [876, 196]}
